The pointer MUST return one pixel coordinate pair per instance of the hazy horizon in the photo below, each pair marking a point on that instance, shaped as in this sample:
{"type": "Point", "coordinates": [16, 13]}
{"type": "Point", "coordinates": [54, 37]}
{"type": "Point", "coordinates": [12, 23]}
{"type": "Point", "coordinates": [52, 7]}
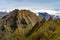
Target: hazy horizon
{"type": "Point", "coordinates": [29, 4]}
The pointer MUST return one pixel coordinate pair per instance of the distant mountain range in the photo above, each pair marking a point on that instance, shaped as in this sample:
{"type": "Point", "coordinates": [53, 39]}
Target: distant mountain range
{"type": "Point", "coordinates": [47, 15]}
{"type": "Point", "coordinates": [44, 15]}
{"type": "Point", "coordinates": [3, 13]}
{"type": "Point", "coordinates": [51, 12]}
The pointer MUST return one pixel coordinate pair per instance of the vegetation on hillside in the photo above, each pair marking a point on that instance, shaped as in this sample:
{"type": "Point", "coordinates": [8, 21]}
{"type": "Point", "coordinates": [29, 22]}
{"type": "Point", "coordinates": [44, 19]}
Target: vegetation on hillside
{"type": "Point", "coordinates": [25, 25]}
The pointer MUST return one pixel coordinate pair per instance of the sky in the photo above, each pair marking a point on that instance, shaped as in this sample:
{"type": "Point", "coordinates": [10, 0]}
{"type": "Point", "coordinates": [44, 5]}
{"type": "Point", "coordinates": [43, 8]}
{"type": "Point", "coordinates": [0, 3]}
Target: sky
{"type": "Point", "coordinates": [29, 4]}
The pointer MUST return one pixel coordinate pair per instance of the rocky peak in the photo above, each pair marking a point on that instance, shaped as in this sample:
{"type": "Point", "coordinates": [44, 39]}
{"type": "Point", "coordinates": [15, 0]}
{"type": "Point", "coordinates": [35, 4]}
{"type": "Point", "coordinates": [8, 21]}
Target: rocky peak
{"type": "Point", "coordinates": [20, 18]}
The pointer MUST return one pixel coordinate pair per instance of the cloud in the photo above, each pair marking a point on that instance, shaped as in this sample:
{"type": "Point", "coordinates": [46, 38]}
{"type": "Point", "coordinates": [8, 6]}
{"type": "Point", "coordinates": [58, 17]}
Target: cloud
{"type": "Point", "coordinates": [29, 4]}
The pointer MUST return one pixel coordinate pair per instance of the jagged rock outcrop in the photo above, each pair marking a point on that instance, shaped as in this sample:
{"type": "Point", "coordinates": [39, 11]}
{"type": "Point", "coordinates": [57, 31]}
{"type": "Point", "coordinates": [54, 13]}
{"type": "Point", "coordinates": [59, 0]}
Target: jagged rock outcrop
{"type": "Point", "coordinates": [20, 18]}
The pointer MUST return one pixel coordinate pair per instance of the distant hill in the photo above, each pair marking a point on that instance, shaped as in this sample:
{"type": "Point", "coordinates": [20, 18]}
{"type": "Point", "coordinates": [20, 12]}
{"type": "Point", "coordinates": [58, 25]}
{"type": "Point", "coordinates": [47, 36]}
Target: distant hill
{"type": "Point", "coordinates": [47, 15]}
{"type": "Point", "coordinates": [26, 25]}
{"type": "Point", "coordinates": [3, 13]}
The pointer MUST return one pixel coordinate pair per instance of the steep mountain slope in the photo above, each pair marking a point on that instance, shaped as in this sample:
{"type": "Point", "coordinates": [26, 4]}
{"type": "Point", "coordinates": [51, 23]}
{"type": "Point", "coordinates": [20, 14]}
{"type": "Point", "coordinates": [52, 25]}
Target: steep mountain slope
{"type": "Point", "coordinates": [22, 20]}
{"type": "Point", "coordinates": [26, 25]}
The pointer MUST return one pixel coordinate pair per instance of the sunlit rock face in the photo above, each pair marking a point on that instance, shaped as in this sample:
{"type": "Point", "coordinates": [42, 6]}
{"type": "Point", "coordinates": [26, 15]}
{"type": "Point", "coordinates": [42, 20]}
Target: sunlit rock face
{"type": "Point", "coordinates": [22, 20]}
{"type": "Point", "coordinates": [28, 16]}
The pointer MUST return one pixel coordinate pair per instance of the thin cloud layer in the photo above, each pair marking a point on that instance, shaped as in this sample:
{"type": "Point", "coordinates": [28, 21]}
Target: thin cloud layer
{"type": "Point", "coordinates": [29, 4]}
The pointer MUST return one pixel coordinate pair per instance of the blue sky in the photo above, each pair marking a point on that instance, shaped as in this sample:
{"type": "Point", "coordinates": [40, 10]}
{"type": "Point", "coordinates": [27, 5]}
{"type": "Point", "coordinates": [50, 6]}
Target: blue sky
{"type": "Point", "coordinates": [29, 4]}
